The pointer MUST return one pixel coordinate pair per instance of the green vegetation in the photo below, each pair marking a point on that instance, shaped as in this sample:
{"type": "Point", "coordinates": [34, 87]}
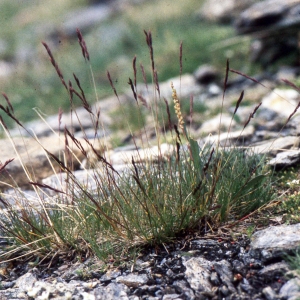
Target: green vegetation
{"type": "Point", "coordinates": [153, 202]}
{"type": "Point", "coordinates": [112, 47]}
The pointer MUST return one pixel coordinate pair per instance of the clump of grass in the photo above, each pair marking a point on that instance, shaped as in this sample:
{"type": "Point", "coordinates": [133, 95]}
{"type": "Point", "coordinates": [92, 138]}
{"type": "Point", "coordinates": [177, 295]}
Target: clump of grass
{"type": "Point", "coordinates": [154, 200]}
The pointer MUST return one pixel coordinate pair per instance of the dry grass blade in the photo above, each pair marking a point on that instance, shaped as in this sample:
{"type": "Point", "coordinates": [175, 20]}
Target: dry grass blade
{"type": "Point", "coordinates": [82, 44]}
{"type": "Point", "coordinates": [132, 88]}
{"type": "Point", "coordinates": [143, 101]}
{"type": "Point", "coordinates": [238, 102]}
{"type": "Point", "coordinates": [205, 168]}
{"type": "Point", "coordinates": [291, 85]}
{"type": "Point", "coordinates": [46, 187]}
{"type": "Point", "coordinates": [3, 123]}
{"type": "Point", "coordinates": [101, 158]}
{"type": "Point", "coordinates": [144, 75]}
{"type": "Point", "coordinates": [180, 58]}
{"type": "Point", "coordinates": [8, 102]}
{"type": "Point", "coordinates": [226, 78]}
{"type": "Point", "coordinates": [292, 114]}
{"type": "Point", "coordinates": [149, 43]}
{"type": "Point", "coordinates": [134, 70]}
{"type": "Point", "coordinates": [55, 65]}
{"type": "Point", "coordinates": [76, 142]}
{"type": "Point", "coordinates": [169, 114]}
{"type": "Point", "coordinates": [2, 166]}
{"type": "Point", "coordinates": [79, 86]}
{"type": "Point", "coordinates": [252, 114]}
{"type": "Point", "coordinates": [60, 163]}
{"type": "Point", "coordinates": [111, 84]}
{"type": "Point", "coordinates": [8, 112]}
{"type": "Point", "coordinates": [83, 100]}
{"type": "Point", "coordinates": [155, 77]}
{"type": "Point", "coordinates": [248, 77]}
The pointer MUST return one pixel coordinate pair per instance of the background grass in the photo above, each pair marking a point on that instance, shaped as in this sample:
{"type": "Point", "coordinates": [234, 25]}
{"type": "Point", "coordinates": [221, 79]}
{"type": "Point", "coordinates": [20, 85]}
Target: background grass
{"type": "Point", "coordinates": [112, 46]}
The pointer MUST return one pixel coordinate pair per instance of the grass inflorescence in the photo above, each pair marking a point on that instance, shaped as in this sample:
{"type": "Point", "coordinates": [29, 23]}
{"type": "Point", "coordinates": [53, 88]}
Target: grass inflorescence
{"type": "Point", "coordinates": [181, 187]}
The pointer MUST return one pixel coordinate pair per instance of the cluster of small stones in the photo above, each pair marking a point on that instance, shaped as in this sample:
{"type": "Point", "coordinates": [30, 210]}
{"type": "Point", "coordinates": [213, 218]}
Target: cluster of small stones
{"type": "Point", "coordinates": [199, 269]}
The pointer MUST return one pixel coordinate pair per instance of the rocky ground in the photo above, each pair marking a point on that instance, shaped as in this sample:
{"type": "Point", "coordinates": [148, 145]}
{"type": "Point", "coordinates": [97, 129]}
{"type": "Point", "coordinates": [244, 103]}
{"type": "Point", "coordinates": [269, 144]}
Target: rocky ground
{"type": "Point", "coordinates": [224, 264]}
{"type": "Point", "coordinates": [218, 266]}
{"type": "Point", "coordinates": [221, 264]}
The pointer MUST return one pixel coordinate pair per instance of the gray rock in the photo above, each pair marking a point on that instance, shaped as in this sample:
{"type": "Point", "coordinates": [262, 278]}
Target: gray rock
{"type": "Point", "coordinates": [285, 159]}
{"type": "Point", "coordinates": [198, 271]}
{"type": "Point", "coordinates": [26, 281]}
{"type": "Point", "coordinates": [206, 74]}
{"type": "Point", "coordinates": [212, 10]}
{"type": "Point", "coordinates": [85, 19]}
{"type": "Point", "coordinates": [269, 293]}
{"type": "Point", "coordinates": [291, 289]}
{"type": "Point", "coordinates": [274, 146]}
{"type": "Point", "coordinates": [230, 139]}
{"type": "Point", "coordinates": [279, 268]}
{"type": "Point", "coordinates": [112, 291]}
{"type": "Point", "coordinates": [281, 101]}
{"type": "Point", "coordinates": [29, 153]}
{"type": "Point", "coordinates": [223, 268]}
{"type": "Point", "coordinates": [276, 239]}
{"type": "Point", "coordinates": [133, 280]}
{"type": "Point", "coordinates": [275, 24]}
{"type": "Point", "coordinates": [275, 13]}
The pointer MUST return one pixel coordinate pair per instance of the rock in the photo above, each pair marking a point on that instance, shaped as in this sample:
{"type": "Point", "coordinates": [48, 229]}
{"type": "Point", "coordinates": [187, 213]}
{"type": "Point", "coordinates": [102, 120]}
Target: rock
{"type": "Point", "coordinates": [140, 156]}
{"type": "Point", "coordinates": [212, 10]}
{"type": "Point", "coordinates": [32, 156]}
{"type": "Point", "coordinates": [269, 293]}
{"type": "Point", "coordinates": [281, 101]}
{"type": "Point", "coordinates": [185, 86]}
{"type": "Point", "coordinates": [291, 289]}
{"type": "Point", "coordinates": [198, 271]}
{"type": "Point", "coordinates": [274, 146]}
{"type": "Point", "coordinates": [206, 74]}
{"type": "Point", "coordinates": [26, 281]}
{"type": "Point", "coordinates": [85, 19]}
{"type": "Point", "coordinates": [133, 280]}
{"type": "Point", "coordinates": [275, 24]}
{"type": "Point", "coordinates": [223, 268]}
{"type": "Point", "coordinates": [221, 121]}
{"type": "Point", "coordinates": [6, 68]}
{"type": "Point", "coordinates": [229, 139]}
{"type": "Point", "coordinates": [280, 268]}
{"type": "Point", "coordinates": [77, 121]}
{"type": "Point", "coordinates": [270, 14]}
{"type": "Point", "coordinates": [285, 159]}
{"type": "Point", "coordinates": [111, 292]}
{"type": "Point", "coordinates": [277, 239]}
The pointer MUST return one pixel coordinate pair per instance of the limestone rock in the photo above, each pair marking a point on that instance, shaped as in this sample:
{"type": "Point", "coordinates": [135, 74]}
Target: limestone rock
{"type": "Point", "coordinates": [285, 159]}
{"type": "Point", "coordinates": [32, 156]}
{"type": "Point", "coordinates": [269, 13]}
{"type": "Point", "coordinates": [277, 239]}
{"type": "Point", "coordinates": [224, 12]}
{"type": "Point", "coordinates": [205, 74]}
{"type": "Point", "coordinates": [281, 101]}
{"type": "Point", "coordinates": [274, 146]}
{"type": "Point", "coordinates": [198, 272]}
{"type": "Point", "coordinates": [275, 24]}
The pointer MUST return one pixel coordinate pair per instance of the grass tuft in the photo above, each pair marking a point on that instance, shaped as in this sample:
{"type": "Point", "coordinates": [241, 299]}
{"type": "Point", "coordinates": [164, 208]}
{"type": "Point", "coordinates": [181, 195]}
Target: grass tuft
{"type": "Point", "coordinates": [165, 191]}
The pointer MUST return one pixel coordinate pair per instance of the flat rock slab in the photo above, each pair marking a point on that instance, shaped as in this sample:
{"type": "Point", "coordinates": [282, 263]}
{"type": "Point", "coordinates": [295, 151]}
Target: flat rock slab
{"type": "Point", "coordinates": [29, 154]}
{"type": "Point", "coordinates": [274, 146]}
{"type": "Point", "coordinates": [277, 238]}
{"type": "Point", "coordinates": [285, 159]}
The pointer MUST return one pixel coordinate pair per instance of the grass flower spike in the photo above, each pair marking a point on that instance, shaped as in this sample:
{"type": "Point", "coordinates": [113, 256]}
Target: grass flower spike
{"type": "Point", "coordinates": [177, 107]}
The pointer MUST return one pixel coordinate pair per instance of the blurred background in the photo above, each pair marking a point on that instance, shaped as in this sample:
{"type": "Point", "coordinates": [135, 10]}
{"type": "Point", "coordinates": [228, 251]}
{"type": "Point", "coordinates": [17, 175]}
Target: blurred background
{"type": "Point", "coordinates": [113, 30]}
